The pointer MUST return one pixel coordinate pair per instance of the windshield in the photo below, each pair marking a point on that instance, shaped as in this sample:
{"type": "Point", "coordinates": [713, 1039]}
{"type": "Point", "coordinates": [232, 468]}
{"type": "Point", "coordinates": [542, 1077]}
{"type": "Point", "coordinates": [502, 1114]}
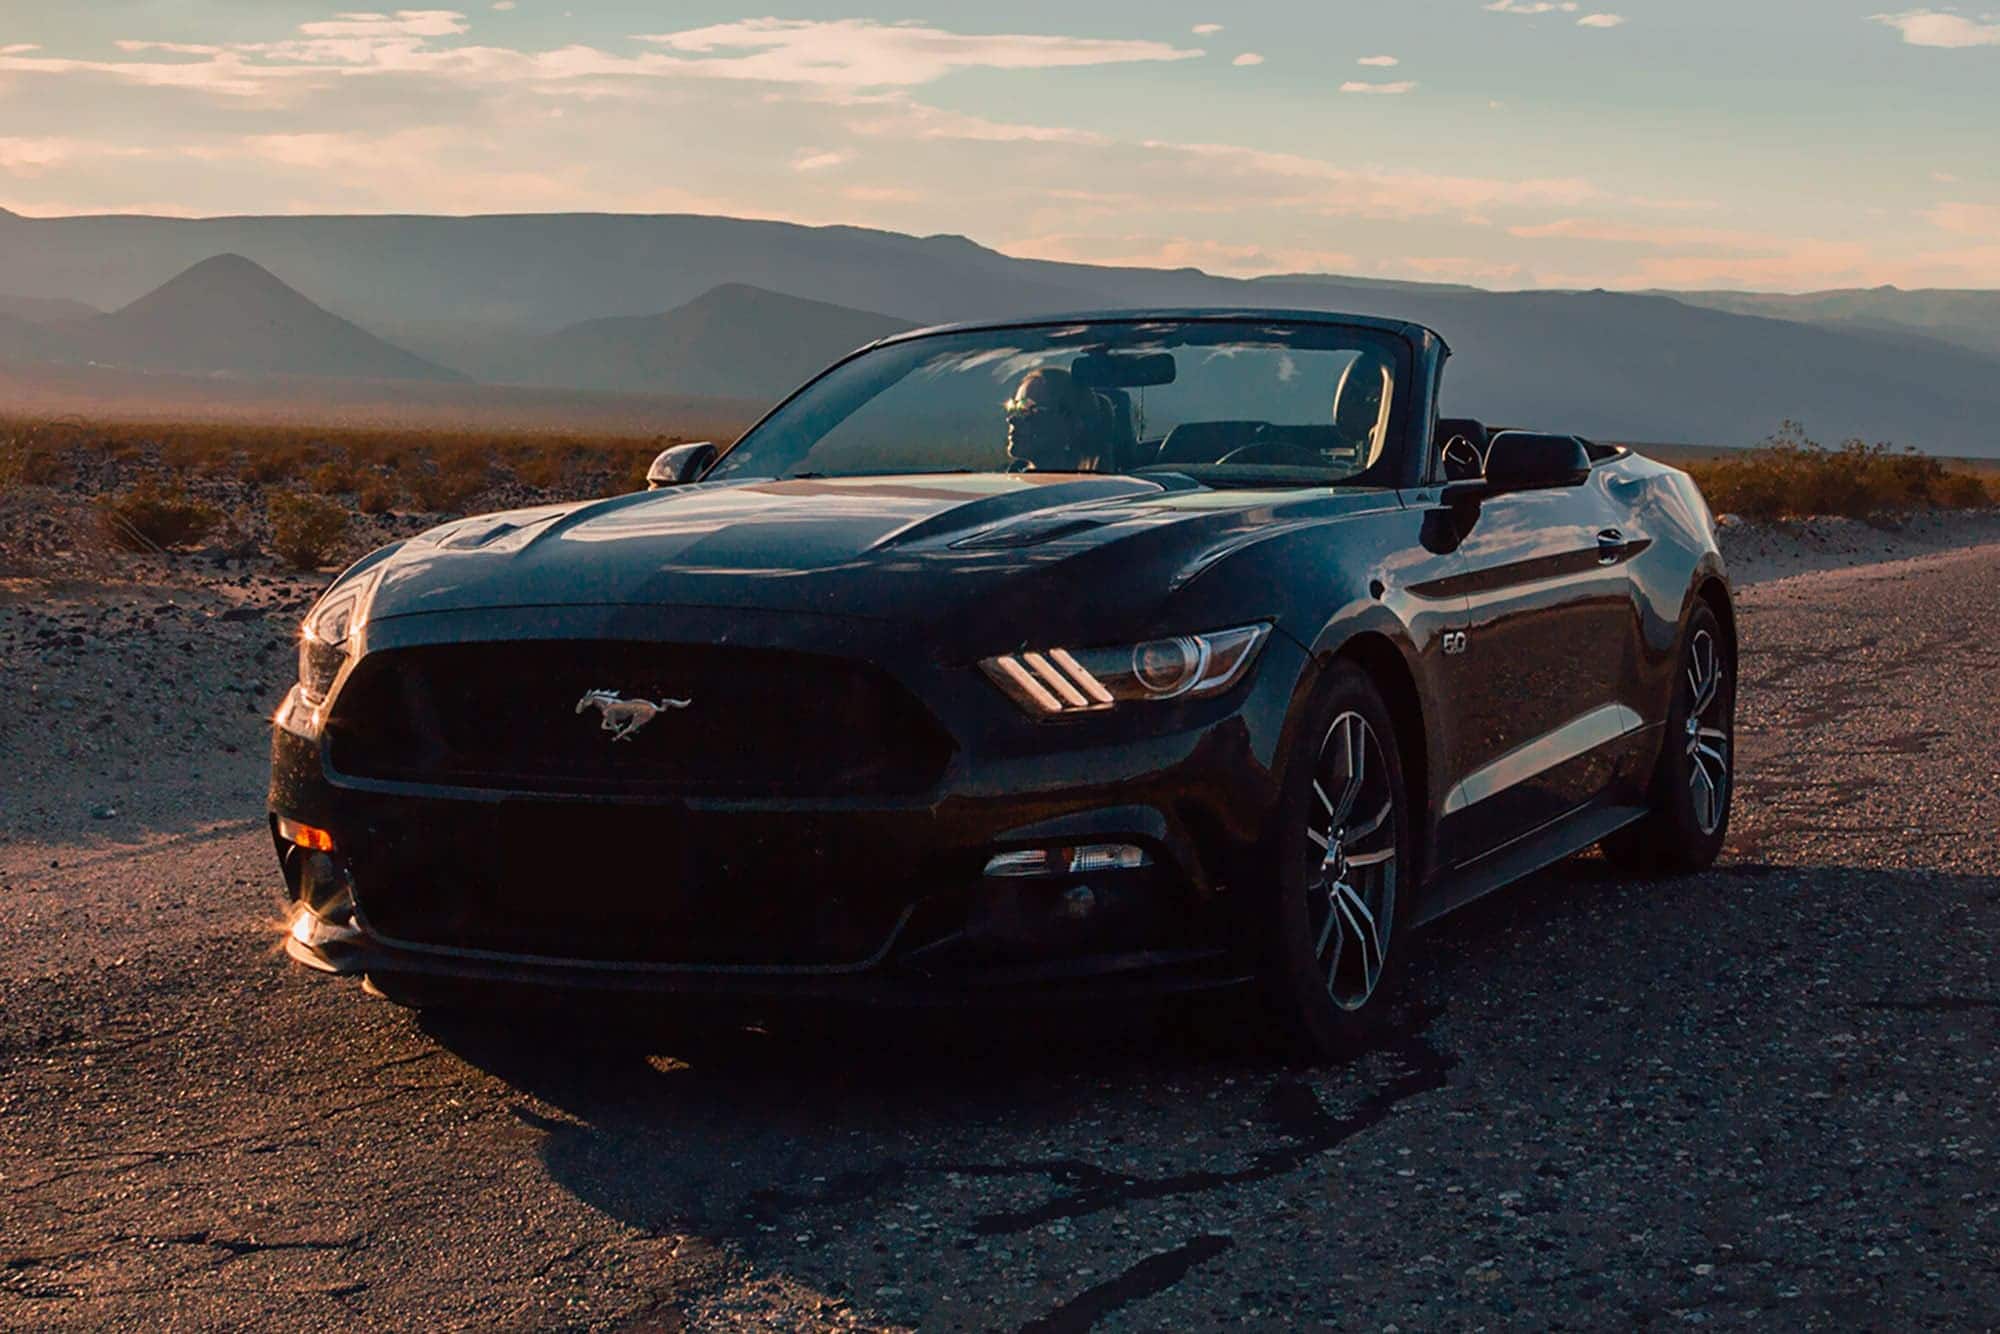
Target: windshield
{"type": "Point", "coordinates": [1227, 401]}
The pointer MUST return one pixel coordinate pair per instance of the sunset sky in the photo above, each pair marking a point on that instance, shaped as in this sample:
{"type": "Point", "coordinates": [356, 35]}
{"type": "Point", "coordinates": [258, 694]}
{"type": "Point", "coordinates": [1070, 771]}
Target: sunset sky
{"type": "Point", "coordinates": [1775, 144]}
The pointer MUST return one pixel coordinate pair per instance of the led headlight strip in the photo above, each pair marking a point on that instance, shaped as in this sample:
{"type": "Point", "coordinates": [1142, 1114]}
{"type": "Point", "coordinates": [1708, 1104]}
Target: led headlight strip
{"type": "Point", "coordinates": [1060, 681]}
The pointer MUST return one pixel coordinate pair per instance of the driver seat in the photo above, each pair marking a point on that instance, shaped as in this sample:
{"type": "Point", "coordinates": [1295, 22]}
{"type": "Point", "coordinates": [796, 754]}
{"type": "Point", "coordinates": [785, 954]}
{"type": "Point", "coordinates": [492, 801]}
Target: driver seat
{"type": "Point", "coordinates": [1359, 398]}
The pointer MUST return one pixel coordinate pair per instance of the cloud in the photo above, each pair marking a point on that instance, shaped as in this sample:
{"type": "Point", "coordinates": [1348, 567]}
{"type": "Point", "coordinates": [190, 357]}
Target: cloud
{"type": "Point", "coordinates": [1206, 29]}
{"type": "Point", "coordinates": [905, 119]}
{"type": "Point", "coordinates": [1248, 58]}
{"type": "Point", "coordinates": [1591, 229]}
{"type": "Point", "coordinates": [1180, 252]}
{"type": "Point", "coordinates": [403, 23]}
{"type": "Point", "coordinates": [1944, 178]}
{"type": "Point", "coordinates": [845, 56]}
{"type": "Point", "coordinates": [1930, 27]}
{"type": "Point", "coordinates": [820, 159]}
{"type": "Point", "coordinates": [1381, 89]}
{"type": "Point", "coordinates": [862, 53]}
{"type": "Point", "coordinates": [1379, 62]}
{"type": "Point", "coordinates": [1977, 220]}
{"type": "Point", "coordinates": [1532, 7]}
{"type": "Point", "coordinates": [18, 49]}
{"type": "Point", "coordinates": [1290, 180]}
{"type": "Point", "coordinates": [1600, 20]}
{"type": "Point", "coordinates": [1793, 266]}
{"type": "Point", "coordinates": [1449, 268]}
{"type": "Point", "coordinates": [29, 157]}
{"type": "Point", "coordinates": [1728, 257]}
{"type": "Point", "coordinates": [503, 5]}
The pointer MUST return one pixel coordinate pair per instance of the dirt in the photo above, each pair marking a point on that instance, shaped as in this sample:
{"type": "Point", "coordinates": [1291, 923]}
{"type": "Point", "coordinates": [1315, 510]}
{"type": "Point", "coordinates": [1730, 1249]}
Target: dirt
{"type": "Point", "coordinates": [1768, 1093]}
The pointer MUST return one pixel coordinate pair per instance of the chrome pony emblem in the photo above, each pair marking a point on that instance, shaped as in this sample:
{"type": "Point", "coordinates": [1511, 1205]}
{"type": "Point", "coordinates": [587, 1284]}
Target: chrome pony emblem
{"type": "Point", "coordinates": [623, 717]}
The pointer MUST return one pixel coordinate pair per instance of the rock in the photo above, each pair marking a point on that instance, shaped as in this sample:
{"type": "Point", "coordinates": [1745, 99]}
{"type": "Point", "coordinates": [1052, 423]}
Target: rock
{"type": "Point", "coordinates": [103, 812]}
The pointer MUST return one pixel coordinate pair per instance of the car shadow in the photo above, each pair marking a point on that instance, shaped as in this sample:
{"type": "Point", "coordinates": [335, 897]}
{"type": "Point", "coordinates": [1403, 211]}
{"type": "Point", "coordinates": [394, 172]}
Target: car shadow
{"type": "Point", "coordinates": [803, 1142]}
{"type": "Point", "coordinates": [669, 1126]}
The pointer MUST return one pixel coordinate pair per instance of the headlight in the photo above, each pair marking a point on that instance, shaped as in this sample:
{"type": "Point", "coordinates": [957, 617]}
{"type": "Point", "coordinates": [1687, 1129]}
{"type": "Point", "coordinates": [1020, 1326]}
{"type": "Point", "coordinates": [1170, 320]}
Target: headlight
{"type": "Point", "coordinates": [1061, 681]}
{"type": "Point", "coordinates": [328, 631]}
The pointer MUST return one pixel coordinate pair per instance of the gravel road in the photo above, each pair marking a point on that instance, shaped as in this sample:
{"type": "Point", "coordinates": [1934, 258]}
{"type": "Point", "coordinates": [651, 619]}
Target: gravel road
{"type": "Point", "coordinates": [1769, 1093]}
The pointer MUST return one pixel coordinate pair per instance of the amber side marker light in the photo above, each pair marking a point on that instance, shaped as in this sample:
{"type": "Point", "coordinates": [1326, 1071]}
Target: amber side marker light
{"type": "Point", "coordinates": [304, 835]}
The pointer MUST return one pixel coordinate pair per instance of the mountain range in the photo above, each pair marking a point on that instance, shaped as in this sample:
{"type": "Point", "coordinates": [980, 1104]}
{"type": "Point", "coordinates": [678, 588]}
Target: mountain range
{"type": "Point", "coordinates": [225, 316]}
{"type": "Point", "coordinates": [747, 309]}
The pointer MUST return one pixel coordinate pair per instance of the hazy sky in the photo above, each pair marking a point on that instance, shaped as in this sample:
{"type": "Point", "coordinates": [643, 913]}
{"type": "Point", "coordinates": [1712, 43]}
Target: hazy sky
{"type": "Point", "coordinates": [1779, 144]}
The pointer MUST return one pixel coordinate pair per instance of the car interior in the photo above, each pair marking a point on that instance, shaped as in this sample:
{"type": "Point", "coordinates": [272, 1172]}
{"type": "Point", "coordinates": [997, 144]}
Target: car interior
{"type": "Point", "coordinates": [1359, 411]}
{"type": "Point", "coordinates": [1463, 445]}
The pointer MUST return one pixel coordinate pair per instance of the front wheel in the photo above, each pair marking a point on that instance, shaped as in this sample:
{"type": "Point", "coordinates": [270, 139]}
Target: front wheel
{"type": "Point", "coordinates": [1694, 783]}
{"type": "Point", "coordinates": [1337, 860]}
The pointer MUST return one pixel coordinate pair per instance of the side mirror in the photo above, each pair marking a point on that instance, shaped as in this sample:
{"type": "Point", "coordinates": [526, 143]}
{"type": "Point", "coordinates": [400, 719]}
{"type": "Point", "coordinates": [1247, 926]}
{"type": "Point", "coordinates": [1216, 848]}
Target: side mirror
{"type": "Point", "coordinates": [1532, 461]}
{"type": "Point", "coordinates": [682, 463]}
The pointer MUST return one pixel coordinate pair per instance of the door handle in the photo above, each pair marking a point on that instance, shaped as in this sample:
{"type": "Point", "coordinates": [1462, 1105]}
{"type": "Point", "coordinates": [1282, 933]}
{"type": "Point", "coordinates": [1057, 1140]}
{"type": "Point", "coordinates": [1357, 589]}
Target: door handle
{"type": "Point", "coordinates": [1610, 546]}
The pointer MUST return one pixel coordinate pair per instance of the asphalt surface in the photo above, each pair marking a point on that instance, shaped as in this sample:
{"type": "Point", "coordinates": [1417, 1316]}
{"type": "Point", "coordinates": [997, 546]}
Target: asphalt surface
{"type": "Point", "coordinates": [1767, 1094]}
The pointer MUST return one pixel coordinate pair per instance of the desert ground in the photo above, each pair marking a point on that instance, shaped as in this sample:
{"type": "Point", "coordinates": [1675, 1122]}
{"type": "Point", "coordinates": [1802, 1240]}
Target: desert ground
{"type": "Point", "coordinates": [1765, 1094]}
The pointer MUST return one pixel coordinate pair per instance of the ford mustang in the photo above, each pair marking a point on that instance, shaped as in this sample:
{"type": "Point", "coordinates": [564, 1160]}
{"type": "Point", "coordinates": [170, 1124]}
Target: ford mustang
{"type": "Point", "coordinates": [1145, 652]}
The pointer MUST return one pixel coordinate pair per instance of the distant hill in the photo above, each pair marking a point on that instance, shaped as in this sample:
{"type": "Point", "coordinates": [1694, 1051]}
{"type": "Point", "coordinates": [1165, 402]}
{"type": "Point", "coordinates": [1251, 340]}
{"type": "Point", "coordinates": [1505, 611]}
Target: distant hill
{"type": "Point", "coordinates": [26, 341]}
{"type": "Point", "coordinates": [735, 341]}
{"type": "Point", "coordinates": [45, 310]}
{"type": "Point", "coordinates": [1969, 318]}
{"type": "Point", "coordinates": [229, 316]}
{"type": "Point", "coordinates": [487, 295]}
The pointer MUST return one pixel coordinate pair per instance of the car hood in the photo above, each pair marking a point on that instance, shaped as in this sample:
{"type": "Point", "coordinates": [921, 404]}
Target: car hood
{"type": "Point", "coordinates": [917, 548]}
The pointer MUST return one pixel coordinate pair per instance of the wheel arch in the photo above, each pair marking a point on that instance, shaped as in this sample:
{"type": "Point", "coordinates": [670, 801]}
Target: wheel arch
{"type": "Point", "coordinates": [1384, 663]}
{"type": "Point", "coordinates": [1714, 592]}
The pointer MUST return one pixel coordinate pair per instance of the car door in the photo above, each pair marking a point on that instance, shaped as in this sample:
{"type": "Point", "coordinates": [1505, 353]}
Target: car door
{"type": "Point", "coordinates": [1550, 627]}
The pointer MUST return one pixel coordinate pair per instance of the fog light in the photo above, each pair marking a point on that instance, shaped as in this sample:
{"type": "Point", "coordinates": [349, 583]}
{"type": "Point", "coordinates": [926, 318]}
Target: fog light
{"type": "Point", "coordinates": [315, 932]}
{"type": "Point", "coordinates": [1069, 861]}
{"type": "Point", "coordinates": [1078, 902]}
{"type": "Point", "coordinates": [323, 884]}
{"type": "Point", "coordinates": [326, 912]}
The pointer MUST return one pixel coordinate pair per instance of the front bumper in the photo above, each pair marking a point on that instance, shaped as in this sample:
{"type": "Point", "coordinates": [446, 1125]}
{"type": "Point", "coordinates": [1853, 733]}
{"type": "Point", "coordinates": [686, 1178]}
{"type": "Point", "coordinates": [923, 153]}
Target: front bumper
{"type": "Point", "coordinates": [849, 896]}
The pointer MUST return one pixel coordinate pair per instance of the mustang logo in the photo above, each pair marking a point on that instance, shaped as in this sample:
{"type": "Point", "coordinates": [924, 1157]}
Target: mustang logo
{"type": "Point", "coordinates": [623, 717]}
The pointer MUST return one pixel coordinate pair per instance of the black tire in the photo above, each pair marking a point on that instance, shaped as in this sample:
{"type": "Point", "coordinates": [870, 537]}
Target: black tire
{"type": "Point", "coordinates": [1684, 830]}
{"type": "Point", "coordinates": [1314, 973]}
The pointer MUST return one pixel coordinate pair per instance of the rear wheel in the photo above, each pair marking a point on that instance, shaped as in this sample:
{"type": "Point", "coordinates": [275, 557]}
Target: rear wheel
{"type": "Point", "coordinates": [1338, 859]}
{"type": "Point", "coordinates": [1694, 782]}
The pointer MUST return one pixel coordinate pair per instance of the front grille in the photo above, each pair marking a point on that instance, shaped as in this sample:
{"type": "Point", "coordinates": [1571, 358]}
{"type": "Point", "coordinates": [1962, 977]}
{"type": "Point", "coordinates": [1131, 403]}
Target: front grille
{"type": "Point", "coordinates": [761, 722]}
{"type": "Point", "coordinates": [631, 883]}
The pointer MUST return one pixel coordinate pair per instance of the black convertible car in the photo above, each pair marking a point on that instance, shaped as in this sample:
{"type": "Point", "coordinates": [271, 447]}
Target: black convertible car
{"type": "Point", "coordinates": [1151, 651]}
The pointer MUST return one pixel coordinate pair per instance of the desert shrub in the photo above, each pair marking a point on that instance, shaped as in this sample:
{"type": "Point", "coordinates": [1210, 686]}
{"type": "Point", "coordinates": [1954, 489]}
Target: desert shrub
{"type": "Point", "coordinates": [182, 454]}
{"type": "Point", "coordinates": [1964, 491]}
{"type": "Point", "coordinates": [335, 477]}
{"type": "Point", "coordinates": [151, 517]}
{"type": "Point", "coordinates": [305, 529]}
{"type": "Point", "coordinates": [375, 497]}
{"type": "Point", "coordinates": [270, 465]}
{"type": "Point", "coordinates": [28, 459]}
{"type": "Point", "coordinates": [1791, 475]}
{"type": "Point", "coordinates": [447, 482]}
{"type": "Point", "coordinates": [544, 467]}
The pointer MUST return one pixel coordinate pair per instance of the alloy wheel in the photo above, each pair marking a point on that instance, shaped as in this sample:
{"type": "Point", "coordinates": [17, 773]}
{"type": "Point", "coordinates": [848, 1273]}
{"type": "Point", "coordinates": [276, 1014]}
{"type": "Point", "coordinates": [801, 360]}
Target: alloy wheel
{"type": "Point", "coordinates": [1351, 888]}
{"type": "Point", "coordinates": [1707, 734]}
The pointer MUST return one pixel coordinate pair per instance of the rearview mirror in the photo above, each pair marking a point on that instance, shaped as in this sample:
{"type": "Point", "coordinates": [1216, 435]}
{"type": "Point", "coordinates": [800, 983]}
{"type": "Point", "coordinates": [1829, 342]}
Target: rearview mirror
{"type": "Point", "coordinates": [1123, 370]}
{"type": "Point", "coordinates": [682, 463]}
{"type": "Point", "coordinates": [1532, 461]}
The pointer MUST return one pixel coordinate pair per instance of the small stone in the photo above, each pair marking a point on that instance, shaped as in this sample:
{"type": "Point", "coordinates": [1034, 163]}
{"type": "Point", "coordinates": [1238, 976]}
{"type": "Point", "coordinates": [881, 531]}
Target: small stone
{"type": "Point", "coordinates": [103, 812]}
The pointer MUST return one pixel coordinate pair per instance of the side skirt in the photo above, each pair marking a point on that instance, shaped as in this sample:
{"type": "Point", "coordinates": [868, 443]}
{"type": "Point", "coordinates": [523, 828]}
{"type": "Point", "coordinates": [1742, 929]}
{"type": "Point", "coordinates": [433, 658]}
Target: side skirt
{"type": "Point", "coordinates": [1525, 856]}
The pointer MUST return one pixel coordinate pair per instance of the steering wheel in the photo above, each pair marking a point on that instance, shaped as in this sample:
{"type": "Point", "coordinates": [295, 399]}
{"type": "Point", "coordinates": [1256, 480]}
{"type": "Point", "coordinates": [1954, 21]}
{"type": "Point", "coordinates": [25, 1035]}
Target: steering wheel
{"type": "Point", "coordinates": [1276, 452]}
